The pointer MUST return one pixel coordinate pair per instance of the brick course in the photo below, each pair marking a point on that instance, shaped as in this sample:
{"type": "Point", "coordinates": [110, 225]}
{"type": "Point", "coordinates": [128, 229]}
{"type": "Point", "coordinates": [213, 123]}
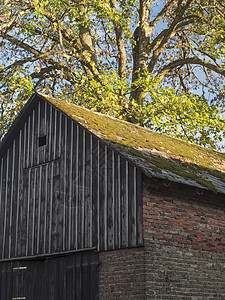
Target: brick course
{"type": "Point", "coordinates": [121, 274]}
{"type": "Point", "coordinates": [184, 236]}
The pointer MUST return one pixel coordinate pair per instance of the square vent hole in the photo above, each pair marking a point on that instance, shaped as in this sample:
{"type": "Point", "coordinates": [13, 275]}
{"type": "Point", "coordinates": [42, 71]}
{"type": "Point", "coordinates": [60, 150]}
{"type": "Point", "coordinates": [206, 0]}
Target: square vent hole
{"type": "Point", "coordinates": [42, 141]}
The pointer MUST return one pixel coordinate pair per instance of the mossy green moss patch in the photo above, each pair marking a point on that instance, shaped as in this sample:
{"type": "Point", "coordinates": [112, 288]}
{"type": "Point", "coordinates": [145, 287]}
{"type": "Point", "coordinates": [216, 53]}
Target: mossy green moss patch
{"type": "Point", "coordinates": [181, 158]}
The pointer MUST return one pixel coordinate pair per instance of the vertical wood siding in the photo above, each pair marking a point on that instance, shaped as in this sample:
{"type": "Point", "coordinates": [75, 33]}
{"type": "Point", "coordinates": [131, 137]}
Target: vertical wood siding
{"type": "Point", "coordinates": [39, 279]}
{"type": "Point", "coordinates": [74, 192]}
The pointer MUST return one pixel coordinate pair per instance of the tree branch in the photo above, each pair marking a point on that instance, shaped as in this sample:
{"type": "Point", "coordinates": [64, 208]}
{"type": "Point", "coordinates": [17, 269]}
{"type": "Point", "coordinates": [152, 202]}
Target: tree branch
{"type": "Point", "coordinates": [168, 33]}
{"type": "Point", "coordinates": [16, 64]}
{"type": "Point", "coordinates": [162, 13]}
{"type": "Point", "coordinates": [192, 60]}
{"type": "Point", "coordinates": [79, 45]}
{"type": "Point", "coordinates": [12, 20]}
{"type": "Point", "coordinates": [120, 41]}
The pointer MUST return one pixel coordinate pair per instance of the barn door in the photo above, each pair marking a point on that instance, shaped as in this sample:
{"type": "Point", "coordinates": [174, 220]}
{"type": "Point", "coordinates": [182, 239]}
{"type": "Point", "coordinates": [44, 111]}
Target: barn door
{"type": "Point", "coordinates": [79, 277]}
{"type": "Point", "coordinates": [19, 271]}
{"type": "Point", "coordinates": [71, 277]}
{"type": "Point", "coordinates": [23, 280]}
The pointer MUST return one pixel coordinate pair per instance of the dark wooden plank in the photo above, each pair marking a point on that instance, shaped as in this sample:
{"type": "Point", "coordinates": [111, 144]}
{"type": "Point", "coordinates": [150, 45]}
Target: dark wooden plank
{"type": "Point", "coordinates": [80, 216]}
{"type": "Point", "coordinates": [93, 275]}
{"type": "Point", "coordinates": [33, 129]}
{"type": "Point", "coordinates": [11, 200]}
{"type": "Point", "coordinates": [36, 212]}
{"type": "Point", "coordinates": [55, 134]}
{"type": "Point", "coordinates": [36, 281]}
{"type": "Point", "coordinates": [102, 190]}
{"type": "Point", "coordinates": [60, 196]}
{"type": "Point", "coordinates": [25, 190]}
{"type": "Point", "coordinates": [42, 131]}
{"type": "Point", "coordinates": [85, 276]}
{"type": "Point", "coordinates": [20, 195]}
{"type": "Point", "coordinates": [76, 191]}
{"type": "Point", "coordinates": [56, 208]}
{"type": "Point", "coordinates": [19, 270]}
{"type": "Point", "coordinates": [132, 206]}
{"type": "Point", "coordinates": [48, 208]}
{"type": "Point", "coordinates": [1, 271]}
{"type": "Point", "coordinates": [70, 184]}
{"type": "Point", "coordinates": [18, 176]}
{"type": "Point", "coordinates": [7, 228]}
{"type": "Point", "coordinates": [53, 282]}
{"type": "Point", "coordinates": [3, 202]}
{"type": "Point", "coordinates": [74, 162]}
{"type": "Point", "coordinates": [51, 204]}
{"type": "Point", "coordinates": [94, 191]}
{"type": "Point", "coordinates": [9, 281]}
{"type": "Point", "coordinates": [110, 200]}
{"type": "Point", "coordinates": [69, 271]}
{"type": "Point", "coordinates": [82, 188]}
{"type": "Point", "coordinates": [36, 133]}
{"type": "Point", "coordinates": [139, 209]}
{"type": "Point", "coordinates": [123, 221]}
{"type": "Point", "coordinates": [52, 134]}
{"type": "Point", "coordinates": [63, 181]}
{"type": "Point", "coordinates": [31, 200]}
{"type": "Point", "coordinates": [78, 277]}
{"type": "Point", "coordinates": [28, 142]}
{"type": "Point", "coordinates": [116, 195]}
{"type": "Point", "coordinates": [58, 135]}
{"type": "Point", "coordinates": [44, 270]}
{"type": "Point", "coordinates": [119, 203]}
{"type": "Point", "coordinates": [87, 191]}
{"type": "Point", "coordinates": [48, 134]}
{"type": "Point", "coordinates": [43, 208]}
{"type": "Point", "coordinates": [60, 278]}
{"type": "Point", "coordinates": [23, 219]}
{"type": "Point", "coordinates": [15, 190]}
{"type": "Point", "coordinates": [127, 205]}
{"type": "Point", "coordinates": [5, 206]}
{"type": "Point", "coordinates": [105, 212]}
{"type": "Point", "coordinates": [67, 184]}
{"type": "Point", "coordinates": [32, 281]}
{"type": "Point", "coordinates": [4, 279]}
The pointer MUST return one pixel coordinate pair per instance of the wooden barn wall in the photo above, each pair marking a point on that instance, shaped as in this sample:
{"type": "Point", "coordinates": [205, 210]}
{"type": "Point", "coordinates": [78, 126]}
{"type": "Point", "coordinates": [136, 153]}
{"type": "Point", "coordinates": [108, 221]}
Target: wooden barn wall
{"type": "Point", "coordinates": [39, 279]}
{"type": "Point", "coordinates": [72, 193]}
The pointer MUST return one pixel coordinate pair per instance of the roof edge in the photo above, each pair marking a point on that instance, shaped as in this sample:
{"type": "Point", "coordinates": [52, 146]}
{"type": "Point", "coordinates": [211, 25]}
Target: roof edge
{"type": "Point", "coordinates": [15, 127]}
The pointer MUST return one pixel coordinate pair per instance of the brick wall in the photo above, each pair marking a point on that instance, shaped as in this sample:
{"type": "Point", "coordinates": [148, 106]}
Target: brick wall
{"type": "Point", "coordinates": [184, 235]}
{"type": "Point", "coordinates": [121, 274]}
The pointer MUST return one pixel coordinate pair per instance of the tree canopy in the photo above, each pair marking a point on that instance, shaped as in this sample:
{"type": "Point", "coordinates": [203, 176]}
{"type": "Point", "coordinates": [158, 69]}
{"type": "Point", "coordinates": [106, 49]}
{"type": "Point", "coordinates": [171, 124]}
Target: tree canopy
{"type": "Point", "coordinates": [160, 64]}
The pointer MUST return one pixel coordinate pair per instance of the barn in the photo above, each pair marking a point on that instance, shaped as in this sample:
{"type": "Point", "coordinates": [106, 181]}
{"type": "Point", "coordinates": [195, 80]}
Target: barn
{"type": "Point", "coordinates": [96, 208]}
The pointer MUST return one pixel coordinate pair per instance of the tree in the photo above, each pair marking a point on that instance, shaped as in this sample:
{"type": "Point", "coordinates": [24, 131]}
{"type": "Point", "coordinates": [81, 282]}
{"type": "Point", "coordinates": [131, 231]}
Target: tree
{"type": "Point", "coordinates": [159, 64]}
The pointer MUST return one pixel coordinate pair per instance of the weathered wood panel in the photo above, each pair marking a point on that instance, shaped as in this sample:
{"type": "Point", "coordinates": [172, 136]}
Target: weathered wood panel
{"type": "Point", "coordinates": [62, 188]}
{"type": "Point", "coordinates": [71, 277]}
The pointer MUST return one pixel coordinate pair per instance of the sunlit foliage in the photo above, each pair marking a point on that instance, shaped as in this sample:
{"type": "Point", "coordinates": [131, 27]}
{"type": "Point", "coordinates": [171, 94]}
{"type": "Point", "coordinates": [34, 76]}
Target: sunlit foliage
{"type": "Point", "coordinates": [159, 64]}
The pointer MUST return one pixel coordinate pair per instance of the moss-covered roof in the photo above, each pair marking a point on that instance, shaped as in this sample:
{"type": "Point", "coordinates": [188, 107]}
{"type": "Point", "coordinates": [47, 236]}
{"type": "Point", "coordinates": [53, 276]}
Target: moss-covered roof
{"type": "Point", "coordinates": [158, 155]}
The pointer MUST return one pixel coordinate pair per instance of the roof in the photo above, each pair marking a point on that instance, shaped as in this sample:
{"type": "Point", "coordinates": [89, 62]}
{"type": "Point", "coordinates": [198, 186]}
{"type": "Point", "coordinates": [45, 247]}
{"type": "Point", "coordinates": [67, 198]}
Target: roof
{"type": "Point", "coordinates": [156, 154]}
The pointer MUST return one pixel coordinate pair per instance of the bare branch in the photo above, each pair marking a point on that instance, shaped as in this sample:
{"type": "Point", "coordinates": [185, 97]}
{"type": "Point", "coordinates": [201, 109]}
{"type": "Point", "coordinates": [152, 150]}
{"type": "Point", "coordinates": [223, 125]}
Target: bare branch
{"type": "Point", "coordinates": [11, 22]}
{"type": "Point", "coordinates": [20, 44]}
{"type": "Point", "coordinates": [16, 64]}
{"type": "Point", "coordinates": [167, 35]}
{"type": "Point", "coordinates": [162, 13]}
{"type": "Point", "coordinates": [192, 60]}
